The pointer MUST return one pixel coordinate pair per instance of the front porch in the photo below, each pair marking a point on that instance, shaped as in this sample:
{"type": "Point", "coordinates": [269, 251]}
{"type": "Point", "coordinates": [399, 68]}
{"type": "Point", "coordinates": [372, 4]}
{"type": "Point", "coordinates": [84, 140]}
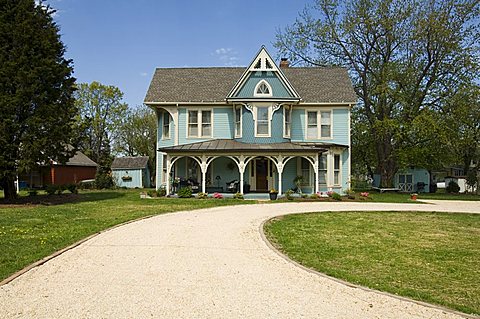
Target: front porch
{"type": "Point", "coordinates": [229, 166]}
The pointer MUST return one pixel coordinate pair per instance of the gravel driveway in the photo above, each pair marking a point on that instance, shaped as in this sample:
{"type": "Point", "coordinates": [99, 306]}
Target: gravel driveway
{"type": "Point", "coordinates": [201, 264]}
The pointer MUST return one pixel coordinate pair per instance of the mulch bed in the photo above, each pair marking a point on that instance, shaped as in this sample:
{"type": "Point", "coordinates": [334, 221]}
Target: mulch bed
{"type": "Point", "coordinates": [46, 200]}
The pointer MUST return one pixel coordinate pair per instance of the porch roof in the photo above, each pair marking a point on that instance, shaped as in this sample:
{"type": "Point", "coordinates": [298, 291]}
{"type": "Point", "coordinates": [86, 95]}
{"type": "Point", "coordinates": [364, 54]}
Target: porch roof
{"type": "Point", "coordinates": [227, 145]}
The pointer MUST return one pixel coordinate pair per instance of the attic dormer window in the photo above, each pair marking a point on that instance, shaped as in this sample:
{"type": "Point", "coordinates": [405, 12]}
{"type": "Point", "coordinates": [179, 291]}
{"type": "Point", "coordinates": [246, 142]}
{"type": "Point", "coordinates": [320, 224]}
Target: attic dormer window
{"type": "Point", "coordinates": [263, 89]}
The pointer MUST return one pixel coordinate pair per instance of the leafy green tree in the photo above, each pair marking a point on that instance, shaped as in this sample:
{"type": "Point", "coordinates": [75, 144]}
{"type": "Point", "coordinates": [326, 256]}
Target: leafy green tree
{"type": "Point", "coordinates": [138, 135]}
{"type": "Point", "coordinates": [36, 91]}
{"type": "Point", "coordinates": [405, 57]}
{"type": "Point", "coordinates": [102, 114]}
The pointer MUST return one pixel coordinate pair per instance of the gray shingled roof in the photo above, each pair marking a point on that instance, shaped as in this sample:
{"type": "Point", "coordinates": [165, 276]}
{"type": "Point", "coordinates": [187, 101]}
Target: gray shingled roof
{"type": "Point", "coordinates": [80, 159]}
{"type": "Point", "coordinates": [315, 84]}
{"type": "Point", "coordinates": [223, 145]}
{"type": "Point", "coordinates": [130, 162]}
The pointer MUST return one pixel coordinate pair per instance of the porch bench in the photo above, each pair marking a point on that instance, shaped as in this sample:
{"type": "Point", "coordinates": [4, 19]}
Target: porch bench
{"type": "Point", "coordinates": [213, 189]}
{"type": "Point", "coordinates": [384, 190]}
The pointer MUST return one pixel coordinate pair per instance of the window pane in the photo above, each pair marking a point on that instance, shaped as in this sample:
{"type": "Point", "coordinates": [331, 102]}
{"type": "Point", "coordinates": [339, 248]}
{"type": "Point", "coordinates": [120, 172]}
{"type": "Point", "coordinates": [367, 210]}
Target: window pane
{"type": "Point", "coordinates": [262, 114]}
{"type": "Point", "coordinates": [166, 131]}
{"type": "Point", "coordinates": [401, 178]}
{"type": "Point", "coordinates": [322, 177]}
{"type": "Point", "coordinates": [325, 130]}
{"type": "Point", "coordinates": [336, 162]}
{"type": "Point", "coordinates": [206, 117]}
{"type": "Point", "coordinates": [409, 179]}
{"type": "Point", "coordinates": [336, 179]}
{"type": "Point", "coordinates": [325, 117]}
{"type": "Point", "coordinates": [323, 162]}
{"type": "Point", "coordinates": [312, 118]}
{"type": "Point", "coordinates": [166, 118]}
{"type": "Point", "coordinates": [206, 130]}
{"type": "Point", "coordinates": [237, 115]}
{"type": "Point", "coordinates": [262, 128]}
{"type": "Point", "coordinates": [237, 128]}
{"type": "Point", "coordinates": [193, 130]}
{"type": "Point", "coordinates": [192, 117]}
{"type": "Point", "coordinates": [312, 132]}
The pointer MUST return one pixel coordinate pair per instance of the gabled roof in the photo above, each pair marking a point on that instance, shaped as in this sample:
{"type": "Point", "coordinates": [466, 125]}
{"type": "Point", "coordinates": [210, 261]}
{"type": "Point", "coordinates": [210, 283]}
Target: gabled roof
{"type": "Point", "coordinates": [313, 84]}
{"type": "Point", "coordinates": [130, 162]}
{"type": "Point", "coordinates": [263, 62]}
{"type": "Point", "coordinates": [79, 159]}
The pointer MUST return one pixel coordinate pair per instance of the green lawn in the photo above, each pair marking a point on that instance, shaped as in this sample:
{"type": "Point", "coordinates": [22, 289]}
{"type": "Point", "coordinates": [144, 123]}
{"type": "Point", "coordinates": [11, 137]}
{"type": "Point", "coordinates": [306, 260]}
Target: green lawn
{"type": "Point", "coordinates": [30, 232]}
{"type": "Point", "coordinates": [433, 257]}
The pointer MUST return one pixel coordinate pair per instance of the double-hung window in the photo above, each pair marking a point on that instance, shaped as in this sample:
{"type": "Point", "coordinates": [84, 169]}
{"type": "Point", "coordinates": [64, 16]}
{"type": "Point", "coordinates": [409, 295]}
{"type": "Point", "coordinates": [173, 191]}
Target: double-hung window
{"type": "Point", "coordinates": [319, 124]}
{"type": "Point", "coordinates": [312, 126]}
{"type": "Point", "coordinates": [263, 123]}
{"type": "Point", "coordinates": [199, 123]}
{"type": "Point", "coordinates": [287, 115]}
{"type": "Point", "coordinates": [166, 125]}
{"type": "Point", "coordinates": [238, 121]}
{"type": "Point", "coordinates": [322, 170]}
{"type": "Point", "coordinates": [305, 167]}
{"type": "Point", "coordinates": [336, 169]}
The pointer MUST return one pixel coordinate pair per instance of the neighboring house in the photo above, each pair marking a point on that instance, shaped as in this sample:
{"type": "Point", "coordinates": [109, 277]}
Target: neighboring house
{"type": "Point", "coordinates": [78, 168]}
{"type": "Point", "coordinates": [131, 172]}
{"type": "Point", "coordinates": [411, 180]}
{"type": "Point", "coordinates": [262, 125]}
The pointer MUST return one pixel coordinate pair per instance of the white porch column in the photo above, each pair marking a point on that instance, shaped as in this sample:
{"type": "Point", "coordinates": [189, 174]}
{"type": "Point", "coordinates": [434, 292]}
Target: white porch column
{"type": "Point", "coordinates": [203, 168]}
{"type": "Point", "coordinates": [280, 172]}
{"type": "Point", "coordinates": [315, 168]}
{"type": "Point", "coordinates": [241, 170]}
{"type": "Point", "coordinates": [167, 178]}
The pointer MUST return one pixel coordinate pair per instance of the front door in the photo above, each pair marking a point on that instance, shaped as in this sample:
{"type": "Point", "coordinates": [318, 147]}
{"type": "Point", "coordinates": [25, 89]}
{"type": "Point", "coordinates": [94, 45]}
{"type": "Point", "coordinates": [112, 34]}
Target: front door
{"type": "Point", "coordinates": [261, 169]}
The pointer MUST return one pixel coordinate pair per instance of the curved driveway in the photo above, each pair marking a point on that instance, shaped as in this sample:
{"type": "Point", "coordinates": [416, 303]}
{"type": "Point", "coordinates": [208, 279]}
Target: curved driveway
{"type": "Point", "coordinates": [201, 264]}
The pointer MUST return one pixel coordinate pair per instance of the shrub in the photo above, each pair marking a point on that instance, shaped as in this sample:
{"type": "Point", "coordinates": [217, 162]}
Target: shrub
{"type": "Point", "coordinates": [202, 195]}
{"type": "Point", "coordinates": [452, 187]}
{"type": "Point", "coordinates": [103, 180]}
{"type": "Point", "coordinates": [60, 189]}
{"type": "Point", "coordinates": [51, 189]}
{"type": "Point", "coordinates": [315, 196]}
{"type": "Point", "coordinates": [185, 192]}
{"type": "Point", "coordinates": [304, 195]}
{"type": "Point", "coordinates": [289, 194]}
{"type": "Point", "coordinates": [162, 192]}
{"type": "Point", "coordinates": [152, 193]}
{"type": "Point", "coordinates": [336, 196]}
{"type": "Point", "coordinates": [32, 192]}
{"type": "Point", "coordinates": [72, 188]}
{"type": "Point", "coordinates": [238, 195]}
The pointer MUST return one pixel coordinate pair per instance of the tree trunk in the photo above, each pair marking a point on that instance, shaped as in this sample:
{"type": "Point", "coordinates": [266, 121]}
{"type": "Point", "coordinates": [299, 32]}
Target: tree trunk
{"type": "Point", "coordinates": [387, 166]}
{"type": "Point", "coordinates": [8, 184]}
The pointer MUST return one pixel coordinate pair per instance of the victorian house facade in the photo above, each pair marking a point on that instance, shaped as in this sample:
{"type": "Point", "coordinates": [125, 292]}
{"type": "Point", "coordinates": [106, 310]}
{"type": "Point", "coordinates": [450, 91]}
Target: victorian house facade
{"type": "Point", "coordinates": [262, 126]}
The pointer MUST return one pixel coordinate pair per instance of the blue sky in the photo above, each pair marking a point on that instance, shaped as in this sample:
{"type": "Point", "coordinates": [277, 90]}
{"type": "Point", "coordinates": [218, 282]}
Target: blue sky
{"type": "Point", "coordinates": [119, 42]}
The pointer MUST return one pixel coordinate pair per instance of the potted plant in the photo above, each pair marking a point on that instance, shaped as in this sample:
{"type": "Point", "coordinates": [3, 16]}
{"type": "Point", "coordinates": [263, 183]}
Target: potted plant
{"type": "Point", "coordinates": [413, 196]}
{"type": "Point", "coordinates": [273, 194]}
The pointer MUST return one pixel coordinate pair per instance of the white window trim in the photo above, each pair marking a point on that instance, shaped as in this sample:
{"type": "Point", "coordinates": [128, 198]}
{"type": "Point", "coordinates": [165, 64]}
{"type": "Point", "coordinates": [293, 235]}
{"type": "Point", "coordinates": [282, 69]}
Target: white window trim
{"type": "Point", "coordinates": [285, 135]}
{"type": "Point", "coordinates": [165, 113]}
{"type": "Point", "coordinates": [235, 108]}
{"type": "Point", "coordinates": [319, 123]}
{"type": "Point", "coordinates": [199, 123]}
{"type": "Point", "coordinates": [339, 169]}
{"type": "Point", "coordinates": [262, 94]}
{"type": "Point", "coordinates": [269, 107]}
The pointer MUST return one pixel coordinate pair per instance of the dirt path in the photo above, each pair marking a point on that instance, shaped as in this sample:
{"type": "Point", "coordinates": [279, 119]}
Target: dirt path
{"type": "Point", "coordinates": [201, 264]}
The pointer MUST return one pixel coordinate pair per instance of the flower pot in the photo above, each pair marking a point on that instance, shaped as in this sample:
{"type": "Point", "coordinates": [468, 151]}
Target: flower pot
{"type": "Point", "coordinates": [273, 196]}
{"type": "Point", "coordinates": [413, 197]}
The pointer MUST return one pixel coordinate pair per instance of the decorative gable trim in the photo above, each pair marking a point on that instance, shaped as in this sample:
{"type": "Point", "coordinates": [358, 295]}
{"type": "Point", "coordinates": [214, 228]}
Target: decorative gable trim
{"type": "Point", "coordinates": [263, 62]}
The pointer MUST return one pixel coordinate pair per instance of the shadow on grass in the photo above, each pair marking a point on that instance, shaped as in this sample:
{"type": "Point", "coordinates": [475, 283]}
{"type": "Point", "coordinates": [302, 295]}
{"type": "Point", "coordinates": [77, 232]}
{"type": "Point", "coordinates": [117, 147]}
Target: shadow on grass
{"type": "Point", "coordinates": [50, 200]}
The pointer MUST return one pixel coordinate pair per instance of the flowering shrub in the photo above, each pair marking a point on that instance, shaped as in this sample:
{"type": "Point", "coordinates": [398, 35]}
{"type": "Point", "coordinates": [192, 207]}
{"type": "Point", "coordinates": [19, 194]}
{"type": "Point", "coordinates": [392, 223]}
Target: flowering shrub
{"type": "Point", "coordinates": [330, 193]}
{"type": "Point", "coordinates": [238, 195]}
{"type": "Point", "coordinates": [202, 195]}
{"type": "Point", "coordinates": [364, 194]}
{"type": "Point", "coordinates": [217, 196]}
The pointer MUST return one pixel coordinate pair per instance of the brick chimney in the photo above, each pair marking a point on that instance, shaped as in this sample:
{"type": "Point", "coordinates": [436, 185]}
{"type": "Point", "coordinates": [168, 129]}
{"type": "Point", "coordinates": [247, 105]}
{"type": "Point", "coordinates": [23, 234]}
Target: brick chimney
{"type": "Point", "coordinates": [284, 63]}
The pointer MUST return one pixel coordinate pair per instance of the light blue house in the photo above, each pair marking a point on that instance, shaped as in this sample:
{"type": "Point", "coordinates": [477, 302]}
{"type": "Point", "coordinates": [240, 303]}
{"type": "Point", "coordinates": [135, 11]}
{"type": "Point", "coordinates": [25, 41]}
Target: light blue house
{"type": "Point", "coordinates": [131, 172]}
{"type": "Point", "coordinates": [409, 180]}
{"type": "Point", "coordinates": [261, 126]}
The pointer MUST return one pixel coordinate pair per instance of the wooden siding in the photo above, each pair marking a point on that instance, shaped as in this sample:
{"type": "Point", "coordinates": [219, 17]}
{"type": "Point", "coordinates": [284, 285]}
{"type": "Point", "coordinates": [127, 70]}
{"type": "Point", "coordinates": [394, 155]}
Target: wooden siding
{"type": "Point", "coordinates": [278, 89]}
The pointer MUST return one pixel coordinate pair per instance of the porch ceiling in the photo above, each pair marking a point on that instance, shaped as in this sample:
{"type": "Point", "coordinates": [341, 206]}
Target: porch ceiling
{"type": "Point", "coordinates": [227, 145]}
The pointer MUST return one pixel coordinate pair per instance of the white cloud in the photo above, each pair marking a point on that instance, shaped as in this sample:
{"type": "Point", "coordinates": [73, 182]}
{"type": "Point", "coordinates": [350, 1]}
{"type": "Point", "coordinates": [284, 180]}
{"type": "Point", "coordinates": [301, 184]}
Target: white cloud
{"type": "Point", "coordinates": [143, 74]}
{"type": "Point", "coordinates": [227, 56]}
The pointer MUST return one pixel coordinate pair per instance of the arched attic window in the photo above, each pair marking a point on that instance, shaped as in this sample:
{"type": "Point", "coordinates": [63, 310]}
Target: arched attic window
{"type": "Point", "coordinates": [263, 89]}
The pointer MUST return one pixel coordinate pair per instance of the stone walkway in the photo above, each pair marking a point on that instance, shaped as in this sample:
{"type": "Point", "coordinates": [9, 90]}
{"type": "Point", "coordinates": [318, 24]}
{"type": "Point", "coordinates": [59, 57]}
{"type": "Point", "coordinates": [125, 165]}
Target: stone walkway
{"type": "Point", "coordinates": [201, 264]}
